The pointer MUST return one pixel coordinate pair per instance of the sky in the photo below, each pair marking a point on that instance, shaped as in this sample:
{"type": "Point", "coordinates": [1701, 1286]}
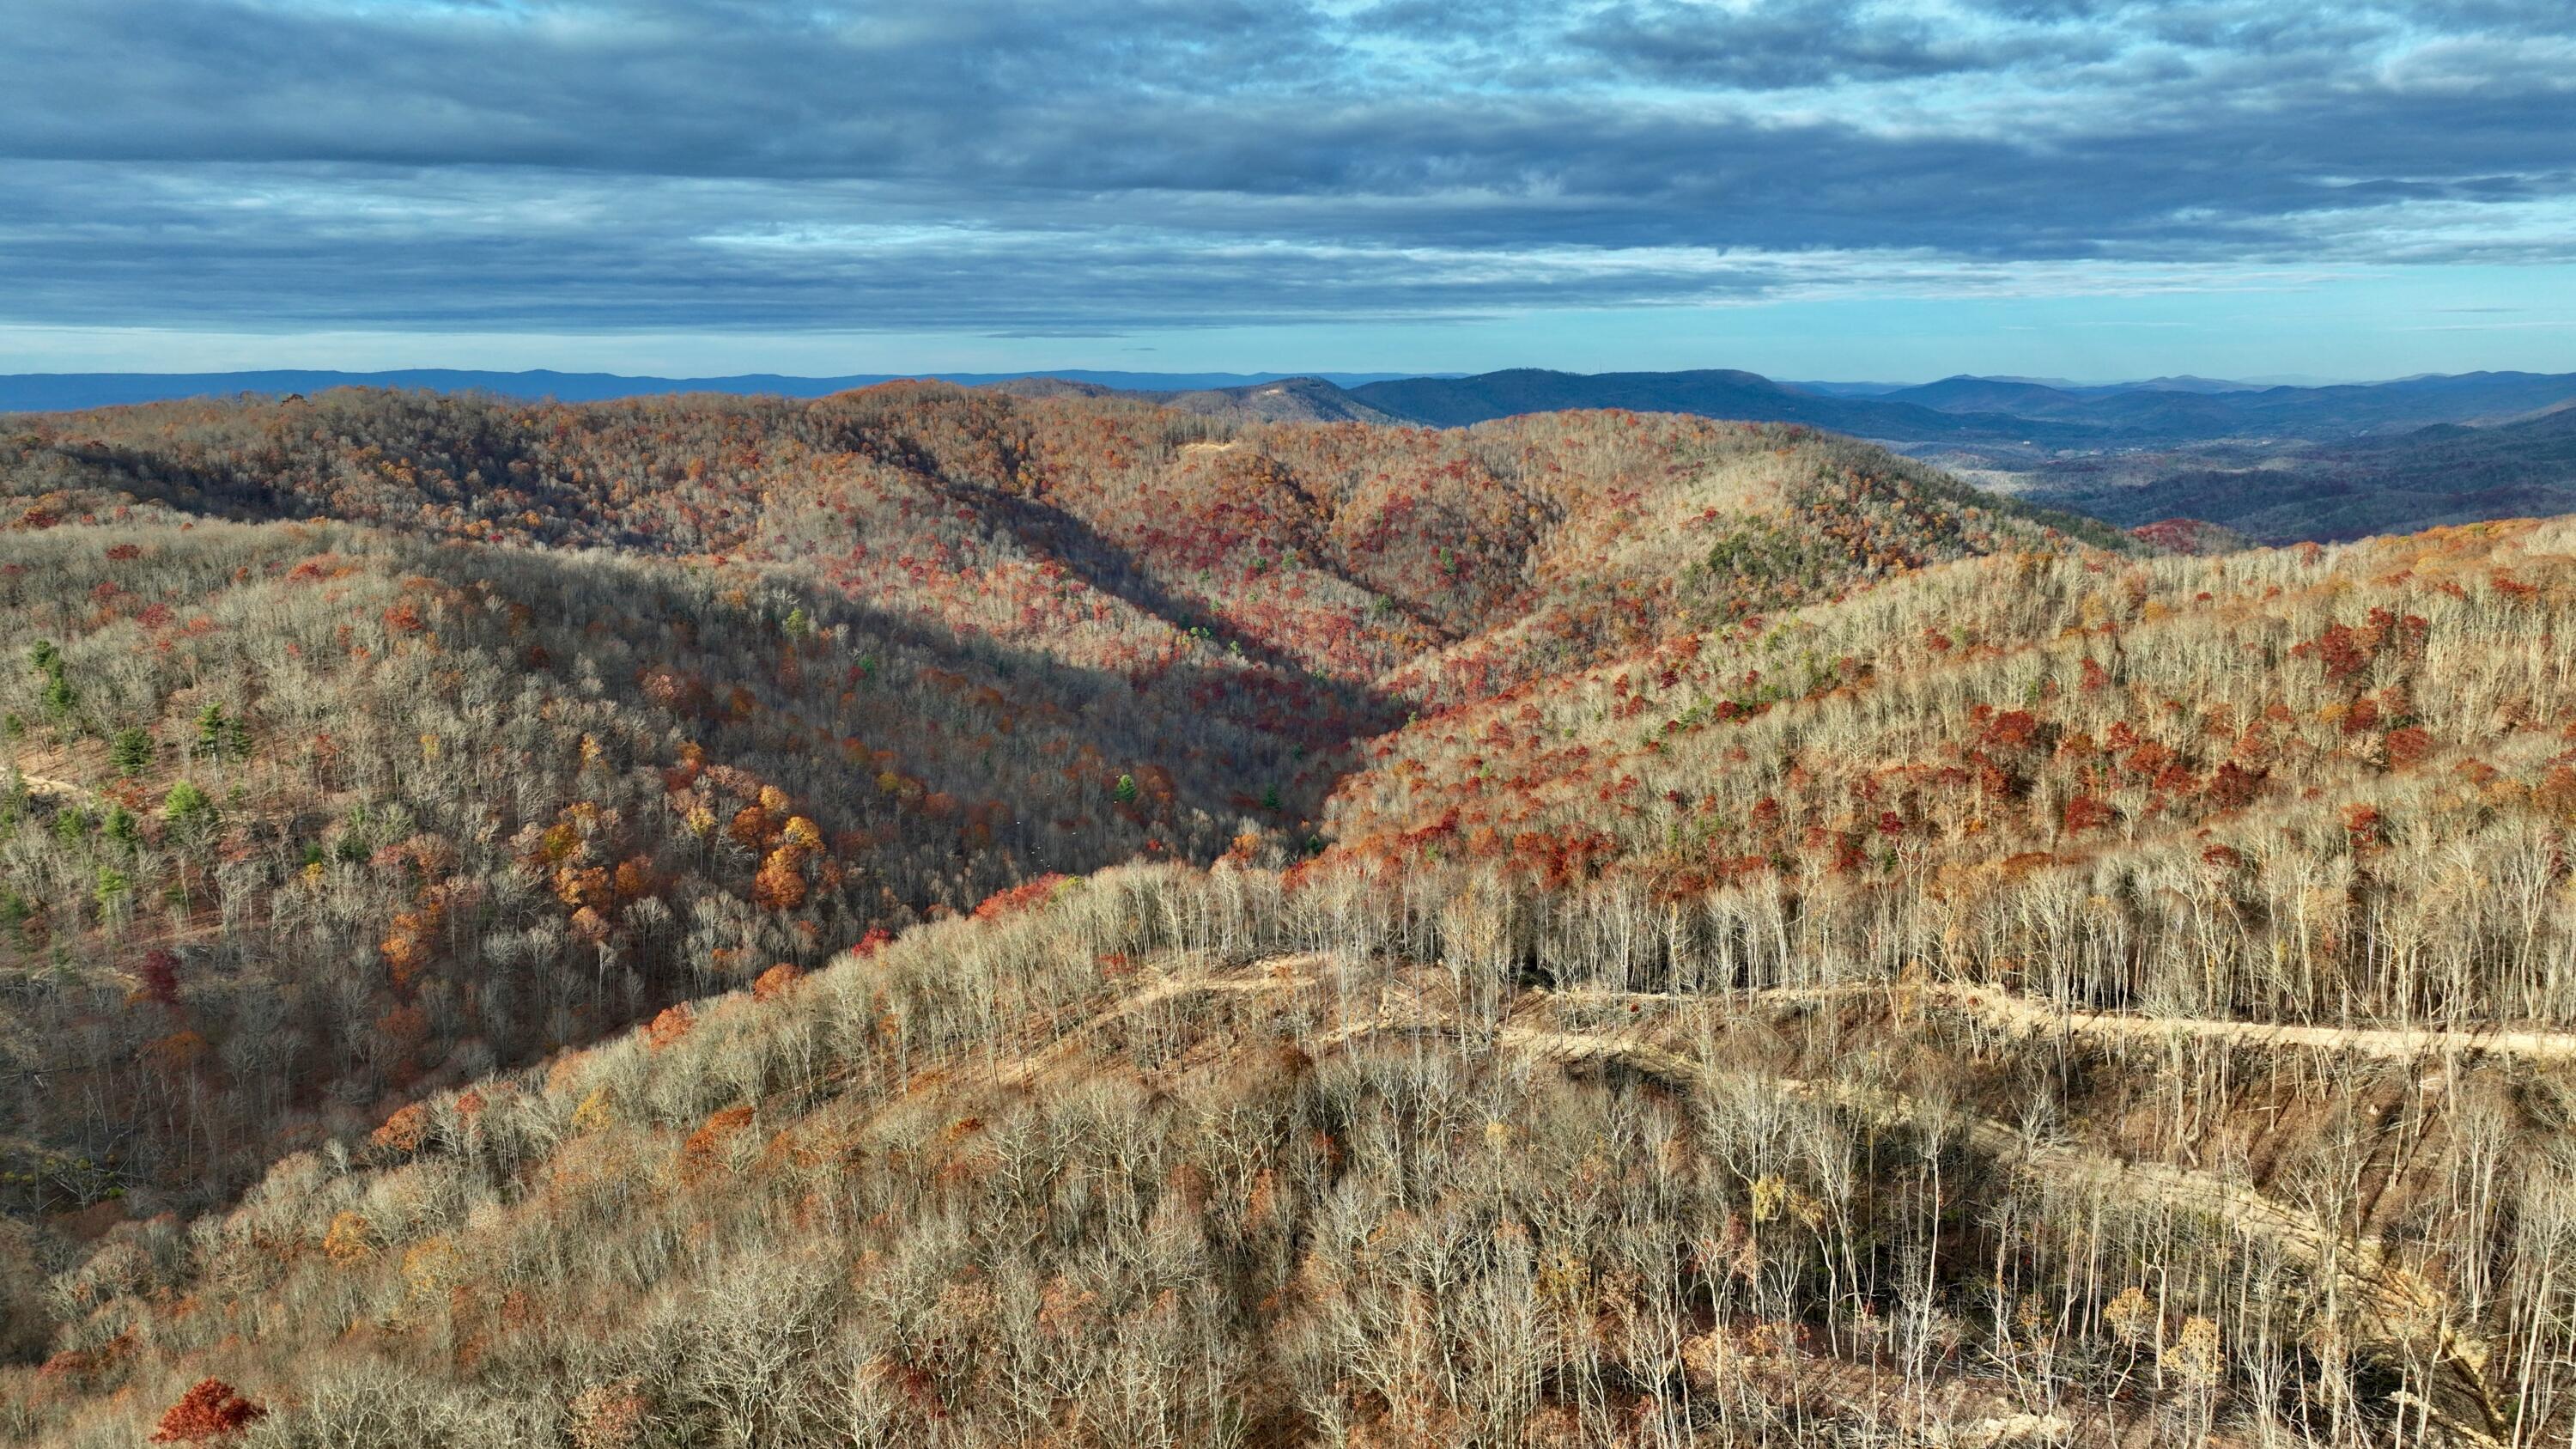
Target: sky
{"type": "Point", "coordinates": [1809, 189]}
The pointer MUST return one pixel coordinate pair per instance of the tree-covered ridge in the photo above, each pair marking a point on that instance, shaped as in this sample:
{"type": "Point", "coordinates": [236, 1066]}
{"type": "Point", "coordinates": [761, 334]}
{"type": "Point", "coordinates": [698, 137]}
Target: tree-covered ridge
{"type": "Point", "coordinates": [1338, 548]}
{"type": "Point", "coordinates": [2141, 781]}
{"type": "Point", "coordinates": [300, 816]}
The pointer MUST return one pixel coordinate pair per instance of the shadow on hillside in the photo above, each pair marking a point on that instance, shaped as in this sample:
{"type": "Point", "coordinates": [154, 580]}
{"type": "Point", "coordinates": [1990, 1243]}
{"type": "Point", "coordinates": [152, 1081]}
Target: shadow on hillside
{"type": "Point", "coordinates": [1107, 566]}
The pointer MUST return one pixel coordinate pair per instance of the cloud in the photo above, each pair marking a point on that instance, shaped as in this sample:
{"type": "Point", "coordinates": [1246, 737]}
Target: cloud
{"type": "Point", "coordinates": [1026, 167]}
{"type": "Point", "coordinates": [1785, 44]}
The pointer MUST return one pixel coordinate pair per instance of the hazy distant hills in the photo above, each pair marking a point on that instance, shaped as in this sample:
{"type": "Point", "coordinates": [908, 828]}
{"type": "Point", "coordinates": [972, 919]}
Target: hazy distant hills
{"type": "Point", "coordinates": [2446, 473]}
{"type": "Point", "coordinates": [2168, 412]}
{"type": "Point", "coordinates": [1984, 395]}
{"type": "Point", "coordinates": [1459, 401]}
{"type": "Point", "coordinates": [2160, 411]}
{"type": "Point", "coordinates": [60, 391]}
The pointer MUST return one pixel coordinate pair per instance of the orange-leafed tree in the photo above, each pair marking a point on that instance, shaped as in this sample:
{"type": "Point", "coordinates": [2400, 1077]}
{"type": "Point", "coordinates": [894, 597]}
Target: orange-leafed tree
{"type": "Point", "coordinates": [667, 1028]}
{"type": "Point", "coordinates": [780, 882]}
{"type": "Point", "coordinates": [211, 1413]}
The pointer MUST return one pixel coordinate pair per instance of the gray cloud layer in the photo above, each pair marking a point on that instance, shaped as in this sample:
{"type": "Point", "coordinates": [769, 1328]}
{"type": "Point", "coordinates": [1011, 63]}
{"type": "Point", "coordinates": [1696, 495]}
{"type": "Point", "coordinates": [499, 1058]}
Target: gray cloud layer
{"type": "Point", "coordinates": [1028, 165]}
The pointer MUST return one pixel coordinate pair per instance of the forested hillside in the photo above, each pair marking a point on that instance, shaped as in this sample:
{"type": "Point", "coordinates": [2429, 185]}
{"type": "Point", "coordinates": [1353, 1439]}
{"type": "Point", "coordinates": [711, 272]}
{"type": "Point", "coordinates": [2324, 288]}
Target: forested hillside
{"type": "Point", "coordinates": [2297, 785]}
{"type": "Point", "coordinates": [1589, 929]}
{"type": "Point", "coordinates": [365, 743]}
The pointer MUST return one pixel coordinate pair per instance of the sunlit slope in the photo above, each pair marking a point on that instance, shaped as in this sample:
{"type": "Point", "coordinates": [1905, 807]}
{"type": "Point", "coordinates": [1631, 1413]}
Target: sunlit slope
{"type": "Point", "coordinates": [1161, 1157]}
{"type": "Point", "coordinates": [2306, 782]}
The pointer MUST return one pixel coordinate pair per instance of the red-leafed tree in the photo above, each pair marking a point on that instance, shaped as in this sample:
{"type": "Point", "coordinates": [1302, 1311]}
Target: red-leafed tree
{"type": "Point", "coordinates": [158, 976]}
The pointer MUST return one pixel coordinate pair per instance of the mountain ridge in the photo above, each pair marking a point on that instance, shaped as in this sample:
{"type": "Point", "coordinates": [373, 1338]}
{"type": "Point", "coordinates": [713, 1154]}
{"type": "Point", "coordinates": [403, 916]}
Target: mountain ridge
{"type": "Point", "coordinates": [1452, 402]}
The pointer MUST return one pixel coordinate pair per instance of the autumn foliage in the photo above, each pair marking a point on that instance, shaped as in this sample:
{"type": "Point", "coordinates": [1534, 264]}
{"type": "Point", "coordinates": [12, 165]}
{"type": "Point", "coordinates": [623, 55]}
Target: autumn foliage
{"type": "Point", "coordinates": [932, 916]}
{"type": "Point", "coordinates": [209, 1413]}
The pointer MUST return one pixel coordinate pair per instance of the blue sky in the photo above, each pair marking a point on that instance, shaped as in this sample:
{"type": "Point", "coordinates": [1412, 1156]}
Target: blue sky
{"type": "Point", "coordinates": [1804, 188]}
